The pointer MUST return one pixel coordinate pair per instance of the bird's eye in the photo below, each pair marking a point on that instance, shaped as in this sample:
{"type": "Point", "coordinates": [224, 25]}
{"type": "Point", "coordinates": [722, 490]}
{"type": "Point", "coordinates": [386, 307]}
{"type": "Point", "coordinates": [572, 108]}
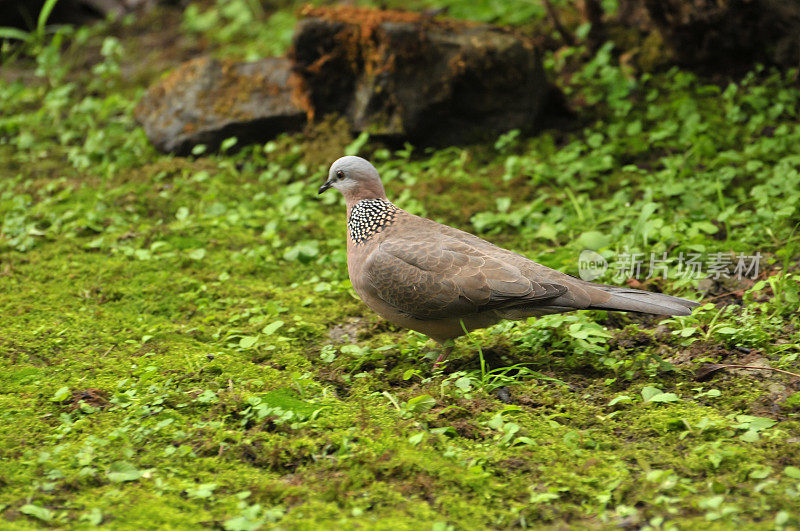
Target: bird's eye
{"type": "Point", "coordinates": [340, 175]}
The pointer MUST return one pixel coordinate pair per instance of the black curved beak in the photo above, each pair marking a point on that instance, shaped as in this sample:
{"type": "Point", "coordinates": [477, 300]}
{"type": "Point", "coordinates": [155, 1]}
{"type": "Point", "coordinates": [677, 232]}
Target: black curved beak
{"type": "Point", "coordinates": [325, 186]}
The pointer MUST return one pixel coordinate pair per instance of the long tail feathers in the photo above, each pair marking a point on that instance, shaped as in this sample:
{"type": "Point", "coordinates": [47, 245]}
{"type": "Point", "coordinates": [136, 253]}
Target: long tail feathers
{"type": "Point", "coordinates": [634, 300]}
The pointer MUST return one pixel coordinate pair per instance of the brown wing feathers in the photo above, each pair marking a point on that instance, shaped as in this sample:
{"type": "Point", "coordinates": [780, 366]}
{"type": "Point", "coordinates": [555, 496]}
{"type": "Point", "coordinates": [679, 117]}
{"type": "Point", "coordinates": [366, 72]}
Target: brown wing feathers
{"type": "Point", "coordinates": [442, 277]}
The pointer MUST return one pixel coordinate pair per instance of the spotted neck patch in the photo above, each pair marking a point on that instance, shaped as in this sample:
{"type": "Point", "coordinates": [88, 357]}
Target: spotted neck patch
{"type": "Point", "coordinates": [368, 217]}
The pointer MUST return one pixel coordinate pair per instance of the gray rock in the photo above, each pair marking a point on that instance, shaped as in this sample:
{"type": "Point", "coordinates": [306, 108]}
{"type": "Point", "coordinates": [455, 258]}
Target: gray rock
{"type": "Point", "coordinates": [205, 101]}
{"type": "Point", "coordinates": [407, 78]}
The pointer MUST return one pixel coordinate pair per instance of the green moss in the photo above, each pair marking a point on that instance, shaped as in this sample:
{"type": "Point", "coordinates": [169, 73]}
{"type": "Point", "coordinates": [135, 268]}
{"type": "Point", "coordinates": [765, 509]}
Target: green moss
{"type": "Point", "coordinates": [180, 345]}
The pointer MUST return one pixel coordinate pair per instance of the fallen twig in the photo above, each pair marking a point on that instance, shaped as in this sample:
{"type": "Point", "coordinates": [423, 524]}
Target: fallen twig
{"type": "Point", "coordinates": [104, 354]}
{"type": "Point", "coordinates": [714, 367]}
{"type": "Point", "coordinates": [738, 293]}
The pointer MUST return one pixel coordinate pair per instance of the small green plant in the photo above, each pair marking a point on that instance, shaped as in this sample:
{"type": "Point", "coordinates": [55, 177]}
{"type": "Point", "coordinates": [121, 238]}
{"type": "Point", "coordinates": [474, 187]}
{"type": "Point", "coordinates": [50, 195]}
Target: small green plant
{"type": "Point", "coordinates": [241, 28]}
{"type": "Point", "coordinates": [418, 404]}
{"type": "Point", "coordinates": [508, 432]}
{"type": "Point", "coordinates": [35, 38]}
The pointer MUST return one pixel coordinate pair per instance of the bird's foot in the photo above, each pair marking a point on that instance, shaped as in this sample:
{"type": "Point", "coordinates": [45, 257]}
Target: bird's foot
{"type": "Point", "coordinates": [440, 361]}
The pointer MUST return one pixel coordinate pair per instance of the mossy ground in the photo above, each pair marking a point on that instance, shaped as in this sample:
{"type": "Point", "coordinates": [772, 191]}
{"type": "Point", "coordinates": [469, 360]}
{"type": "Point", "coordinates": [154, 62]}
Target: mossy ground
{"type": "Point", "coordinates": [180, 345]}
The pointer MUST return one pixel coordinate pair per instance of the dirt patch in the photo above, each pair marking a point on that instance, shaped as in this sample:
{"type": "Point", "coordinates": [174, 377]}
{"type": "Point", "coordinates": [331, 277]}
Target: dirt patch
{"type": "Point", "coordinates": [346, 332]}
{"type": "Point", "coordinates": [94, 397]}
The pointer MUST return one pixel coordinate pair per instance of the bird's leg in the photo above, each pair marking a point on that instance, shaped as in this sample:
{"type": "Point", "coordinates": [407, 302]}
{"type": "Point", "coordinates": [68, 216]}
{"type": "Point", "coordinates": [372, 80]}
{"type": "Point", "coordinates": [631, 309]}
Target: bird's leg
{"type": "Point", "coordinates": [447, 348]}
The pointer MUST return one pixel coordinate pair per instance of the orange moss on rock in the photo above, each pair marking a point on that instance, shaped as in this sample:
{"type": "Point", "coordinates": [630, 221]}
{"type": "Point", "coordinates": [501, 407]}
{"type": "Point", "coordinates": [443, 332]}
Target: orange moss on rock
{"type": "Point", "coordinates": [235, 89]}
{"type": "Point", "coordinates": [370, 18]}
{"type": "Point", "coordinates": [227, 96]}
{"type": "Point", "coordinates": [300, 94]}
{"type": "Point", "coordinates": [207, 97]}
{"type": "Point", "coordinates": [157, 92]}
{"type": "Point", "coordinates": [360, 44]}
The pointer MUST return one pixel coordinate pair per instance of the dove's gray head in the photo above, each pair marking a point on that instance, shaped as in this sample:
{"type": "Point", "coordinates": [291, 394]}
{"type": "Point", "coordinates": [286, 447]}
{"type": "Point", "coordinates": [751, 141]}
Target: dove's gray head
{"type": "Point", "coordinates": [356, 178]}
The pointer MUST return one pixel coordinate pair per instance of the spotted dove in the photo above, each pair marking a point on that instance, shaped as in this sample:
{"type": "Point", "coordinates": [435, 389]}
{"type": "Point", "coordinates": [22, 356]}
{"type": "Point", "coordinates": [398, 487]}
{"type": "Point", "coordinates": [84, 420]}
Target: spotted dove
{"type": "Point", "coordinates": [442, 282]}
